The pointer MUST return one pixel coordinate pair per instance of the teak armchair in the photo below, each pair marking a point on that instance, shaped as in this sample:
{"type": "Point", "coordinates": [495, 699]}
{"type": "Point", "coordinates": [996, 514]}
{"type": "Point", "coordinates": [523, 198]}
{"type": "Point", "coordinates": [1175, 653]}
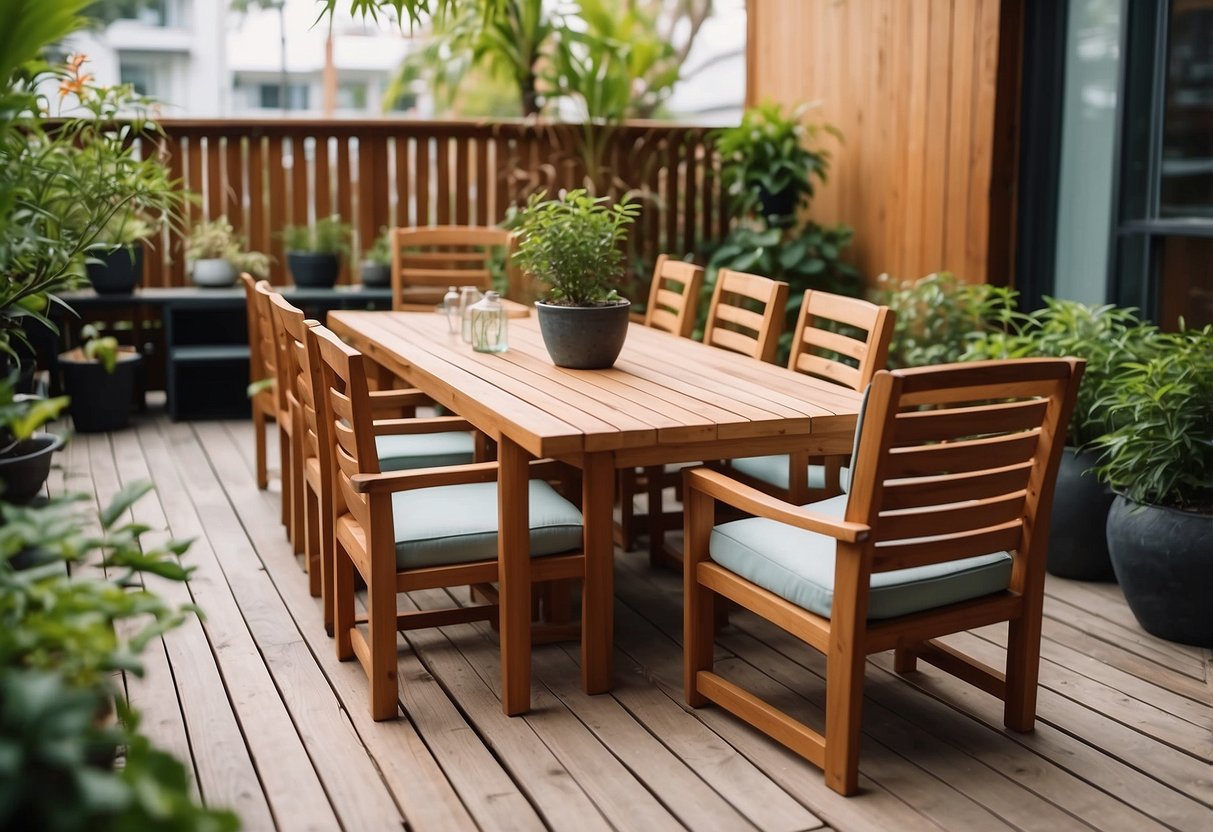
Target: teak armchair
{"type": "Point", "coordinates": [427, 260]}
{"type": "Point", "coordinates": [269, 351]}
{"type": "Point", "coordinates": [673, 302]}
{"type": "Point", "coordinates": [848, 352]}
{"type": "Point", "coordinates": [263, 402]}
{"type": "Point", "coordinates": [420, 529]}
{"type": "Point", "coordinates": [746, 314]}
{"type": "Point", "coordinates": [445, 444]}
{"type": "Point", "coordinates": [944, 529]}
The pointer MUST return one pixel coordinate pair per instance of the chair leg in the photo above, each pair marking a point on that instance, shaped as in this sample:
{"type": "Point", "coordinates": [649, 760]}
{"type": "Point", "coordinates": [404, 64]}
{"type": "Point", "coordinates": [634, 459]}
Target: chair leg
{"type": "Point", "coordinates": [656, 516]}
{"type": "Point", "coordinates": [298, 504]}
{"type": "Point", "coordinates": [311, 540]}
{"type": "Point", "coordinates": [328, 557]}
{"type": "Point", "coordinates": [343, 601]}
{"type": "Point", "coordinates": [263, 477]}
{"type": "Point", "coordinates": [284, 471]}
{"type": "Point", "coordinates": [381, 640]}
{"type": "Point", "coordinates": [905, 659]}
{"type": "Point", "coordinates": [844, 710]}
{"type": "Point", "coordinates": [1022, 672]}
{"type": "Point", "coordinates": [626, 486]}
{"type": "Point", "coordinates": [698, 603]}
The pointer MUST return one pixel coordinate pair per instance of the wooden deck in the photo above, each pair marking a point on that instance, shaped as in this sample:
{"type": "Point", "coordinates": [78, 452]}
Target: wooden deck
{"type": "Point", "coordinates": [274, 727]}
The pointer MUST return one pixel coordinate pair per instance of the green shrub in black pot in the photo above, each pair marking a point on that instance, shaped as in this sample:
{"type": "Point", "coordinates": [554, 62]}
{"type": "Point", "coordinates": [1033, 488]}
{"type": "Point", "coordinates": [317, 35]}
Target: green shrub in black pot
{"type": "Point", "coordinates": [100, 378]}
{"type": "Point", "coordinates": [1106, 336]}
{"type": "Point", "coordinates": [314, 253]}
{"type": "Point", "coordinates": [1158, 458]}
{"type": "Point", "coordinates": [572, 244]}
{"type": "Point", "coordinates": [25, 453]}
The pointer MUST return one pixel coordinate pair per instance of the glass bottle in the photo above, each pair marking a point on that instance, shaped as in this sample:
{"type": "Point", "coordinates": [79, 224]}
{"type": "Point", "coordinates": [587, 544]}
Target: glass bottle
{"type": "Point", "coordinates": [450, 308]}
{"type": "Point", "coordinates": [468, 297]}
{"type": "Point", "coordinates": [489, 324]}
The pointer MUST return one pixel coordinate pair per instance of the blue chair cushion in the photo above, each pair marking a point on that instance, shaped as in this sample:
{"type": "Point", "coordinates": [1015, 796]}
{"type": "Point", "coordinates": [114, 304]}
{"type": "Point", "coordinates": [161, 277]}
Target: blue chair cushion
{"type": "Point", "coordinates": [798, 566]}
{"type": "Point", "coordinates": [458, 524]}
{"type": "Point", "coordinates": [774, 470]}
{"type": "Point", "coordinates": [424, 450]}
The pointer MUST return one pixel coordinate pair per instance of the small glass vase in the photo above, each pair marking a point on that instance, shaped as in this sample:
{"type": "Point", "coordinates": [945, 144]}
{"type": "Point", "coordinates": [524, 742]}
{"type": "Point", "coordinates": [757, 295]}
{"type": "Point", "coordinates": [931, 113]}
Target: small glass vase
{"type": "Point", "coordinates": [469, 296]}
{"type": "Point", "coordinates": [489, 324]}
{"type": "Point", "coordinates": [450, 308]}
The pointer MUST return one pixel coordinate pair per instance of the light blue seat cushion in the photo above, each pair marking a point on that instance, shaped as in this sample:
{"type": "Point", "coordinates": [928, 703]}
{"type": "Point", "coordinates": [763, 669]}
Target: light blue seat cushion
{"type": "Point", "coordinates": [458, 524]}
{"type": "Point", "coordinates": [798, 566]}
{"type": "Point", "coordinates": [774, 470]}
{"type": "Point", "coordinates": [424, 450]}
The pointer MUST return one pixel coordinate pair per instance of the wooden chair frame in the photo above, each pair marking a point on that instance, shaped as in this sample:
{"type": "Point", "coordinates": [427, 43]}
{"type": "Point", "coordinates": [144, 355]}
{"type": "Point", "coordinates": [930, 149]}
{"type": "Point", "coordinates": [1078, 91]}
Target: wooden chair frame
{"type": "Point", "coordinates": [449, 255]}
{"type": "Point", "coordinates": [262, 402]}
{"type": "Point", "coordinates": [935, 460]}
{"type": "Point", "coordinates": [730, 323]}
{"type": "Point", "coordinates": [870, 353]}
{"type": "Point", "coordinates": [673, 301]}
{"type": "Point", "coordinates": [364, 525]}
{"type": "Point", "coordinates": [270, 349]}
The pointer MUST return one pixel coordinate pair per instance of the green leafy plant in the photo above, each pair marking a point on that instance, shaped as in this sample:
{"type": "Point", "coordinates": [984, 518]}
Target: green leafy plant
{"type": "Point", "coordinates": [1106, 336]}
{"type": "Point", "coordinates": [939, 316]}
{"type": "Point", "coordinates": [217, 240]}
{"type": "Point", "coordinates": [328, 236]}
{"type": "Point", "coordinates": [766, 157]}
{"type": "Point", "coordinates": [98, 347]}
{"type": "Point", "coordinates": [21, 416]}
{"type": "Point", "coordinates": [380, 251]}
{"type": "Point", "coordinates": [1160, 406]}
{"type": "Point", "coordinates": [572, 244]}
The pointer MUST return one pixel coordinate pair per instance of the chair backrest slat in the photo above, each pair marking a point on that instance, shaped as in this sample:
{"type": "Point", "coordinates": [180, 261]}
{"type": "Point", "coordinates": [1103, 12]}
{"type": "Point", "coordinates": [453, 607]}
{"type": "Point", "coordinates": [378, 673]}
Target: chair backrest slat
{"type": "Point", "coordinates": [292, 325]}
{"type": "Point", "coordinates": [841, 339]}
{"type": "Point", "coordinates": [763, 302]}
{"type": "Point", "coordinates": [674, 296]}
{"type": "Point", "coordinates": [427, 260]}
{"type": "Point", "coordinates": [952, 460]}
{"type": "Point", "coordinates": [269, 345]}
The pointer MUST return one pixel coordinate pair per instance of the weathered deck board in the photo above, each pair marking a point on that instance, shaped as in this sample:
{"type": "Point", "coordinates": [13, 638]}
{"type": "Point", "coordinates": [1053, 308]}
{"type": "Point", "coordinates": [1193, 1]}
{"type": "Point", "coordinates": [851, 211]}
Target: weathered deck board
{"type": "Point", "coordinates": [270, 723]}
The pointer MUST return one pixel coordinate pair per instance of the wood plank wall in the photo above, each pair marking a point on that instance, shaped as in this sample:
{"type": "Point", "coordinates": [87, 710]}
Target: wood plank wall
{"type": "Point", "coordinates": [925, 93]}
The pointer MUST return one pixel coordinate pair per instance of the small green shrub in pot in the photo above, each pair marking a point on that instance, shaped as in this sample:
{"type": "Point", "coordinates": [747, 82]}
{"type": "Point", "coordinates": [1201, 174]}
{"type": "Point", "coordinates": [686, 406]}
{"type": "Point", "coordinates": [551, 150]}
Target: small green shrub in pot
{"type": "Point", "coordinates": [1158, 458]}
{"type": "Point", "coordinates": [939, 316]}
{"type": "Point", "coordinates": [217, 254]}
{"type": "Point", "coordinates": [376, 266]}
{"type": "Point", "coordinates": [1106, 336]}
{"type": "Point", "coordinates": [100, 378]}
{"type": "Point", "coordinates": [314, 252]}
{"type": "Point", "coordinates": [573, 245]}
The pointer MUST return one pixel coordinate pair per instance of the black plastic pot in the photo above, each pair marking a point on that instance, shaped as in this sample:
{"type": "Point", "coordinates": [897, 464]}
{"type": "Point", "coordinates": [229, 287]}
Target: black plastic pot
{"type": "Point", "coordinates": [375, 274]}
{"type": "Point", "coordinates": [26, 466]}
{"type": "Point", "coordinates": [583, 337]}
{"type": "Point", "coordinates": [314, 270]}
{"type": "Point", "coordinates": [100, 401]}
{"type": "Point", "coordinates": [782, 204]}
{"type": "Point", "coordinates": [1078, 546]}
{"type": "Point", "coordinates": [1164, 561]}
{"type": "Point", "coordinates": [118, 271]}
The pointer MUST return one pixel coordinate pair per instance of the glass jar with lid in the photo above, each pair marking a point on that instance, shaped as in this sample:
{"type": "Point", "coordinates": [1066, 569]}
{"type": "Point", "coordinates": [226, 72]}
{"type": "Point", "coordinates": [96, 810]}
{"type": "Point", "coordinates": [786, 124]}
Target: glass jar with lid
{"type": "Point", "coordinates": [489, 323]}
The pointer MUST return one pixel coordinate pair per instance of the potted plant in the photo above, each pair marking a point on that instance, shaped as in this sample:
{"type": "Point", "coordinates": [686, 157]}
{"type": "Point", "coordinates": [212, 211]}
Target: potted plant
{"type": "Point", "coordinates": [1105, 336]}
{"type": "Point", "coordinates": [314, 252]}
{"type": "Point", "coordinates": [1158, 458]}
{"type": "Point", "coordinates": [572, 244]}
{"type": "Point", "coordinates": [376, 266]}
{"type": "Point", "coordinates": [767, 167]}
{"type": "Point", "coordinates": [99, 378]}
{"type": "Point", "coordinates": [217, 254]}
{"type": "Point", "coordinates": [25, 454]}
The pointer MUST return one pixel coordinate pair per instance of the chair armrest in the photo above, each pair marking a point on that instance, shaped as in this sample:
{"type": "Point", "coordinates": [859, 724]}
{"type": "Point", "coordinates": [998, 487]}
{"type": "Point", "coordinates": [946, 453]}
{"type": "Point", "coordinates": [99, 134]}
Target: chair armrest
{"type": "Point", "coordinates": [411, 397]}
{"type": "Point", "coordinates": [393, 481]}
{"type": "Point", "coordinates": [751, 500]}
{"type": "Point", "coordinates": [432, 424]}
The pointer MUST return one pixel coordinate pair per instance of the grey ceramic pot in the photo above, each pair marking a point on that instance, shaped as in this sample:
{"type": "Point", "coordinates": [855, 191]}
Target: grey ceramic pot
{"type": "Point", "coordinates": [213, 273]}
{"type": "Point", "coordinates": [583, 337]}
{"type": "Point", "coordinates": [375, 274]}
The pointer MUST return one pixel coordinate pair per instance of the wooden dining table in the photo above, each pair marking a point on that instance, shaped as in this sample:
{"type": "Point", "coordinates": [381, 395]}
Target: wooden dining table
{"type": "Point", "coordinates": [666, 400]}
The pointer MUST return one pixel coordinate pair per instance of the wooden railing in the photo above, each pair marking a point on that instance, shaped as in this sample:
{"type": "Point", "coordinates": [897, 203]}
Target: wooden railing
{"type": "Point", "coordinates": [264, 175]}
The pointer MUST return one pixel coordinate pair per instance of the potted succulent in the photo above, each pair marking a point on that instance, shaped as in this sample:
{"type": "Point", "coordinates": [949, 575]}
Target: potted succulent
{"type": "Point", "coordinates": [376, 266]}
{"type": "Point", "coordinates": [1105, 336]}
{"type": "Point", "coordinates": [314, 252]}
{"type": "Point", "coordinates": [766, 167]}
{"type": "Point", "coordinates": [572, 244]}
{"type": "Point", "coordinates": [1158, 458]}
{"type": "Point", "coordinates": [99, 378]}
{"type": "Point", "coordinates": [217, 254]}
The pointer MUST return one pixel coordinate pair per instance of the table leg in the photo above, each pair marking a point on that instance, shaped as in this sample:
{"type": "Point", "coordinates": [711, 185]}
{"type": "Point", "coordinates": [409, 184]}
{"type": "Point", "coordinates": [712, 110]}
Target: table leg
{"type": "Point", "coordinates": [515, 577]}
{"type": "Point", "coordinates": [598, 588]}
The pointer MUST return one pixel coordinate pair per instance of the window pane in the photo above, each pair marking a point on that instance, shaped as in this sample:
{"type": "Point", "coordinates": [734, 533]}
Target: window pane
{"type": "Point", "coordinates": [1187, 153]}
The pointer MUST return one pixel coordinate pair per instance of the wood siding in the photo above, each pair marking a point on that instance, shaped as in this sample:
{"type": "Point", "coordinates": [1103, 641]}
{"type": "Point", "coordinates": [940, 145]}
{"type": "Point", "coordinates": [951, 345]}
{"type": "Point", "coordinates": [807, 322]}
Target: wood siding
{"type": "Point", "coordinates": [925, 94]}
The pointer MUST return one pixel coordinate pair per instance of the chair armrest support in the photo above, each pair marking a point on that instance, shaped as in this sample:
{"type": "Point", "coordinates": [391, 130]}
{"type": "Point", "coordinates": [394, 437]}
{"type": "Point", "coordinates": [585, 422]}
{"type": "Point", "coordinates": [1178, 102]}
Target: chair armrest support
{"type": "Point", "coordinates": [410, 397]}
{"type": "Point", "coordinates": [434, 424]}
{"type": "Point", "coordinates": [393, 481]}
{"type": "Point", "coordinates": [727, 490]}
